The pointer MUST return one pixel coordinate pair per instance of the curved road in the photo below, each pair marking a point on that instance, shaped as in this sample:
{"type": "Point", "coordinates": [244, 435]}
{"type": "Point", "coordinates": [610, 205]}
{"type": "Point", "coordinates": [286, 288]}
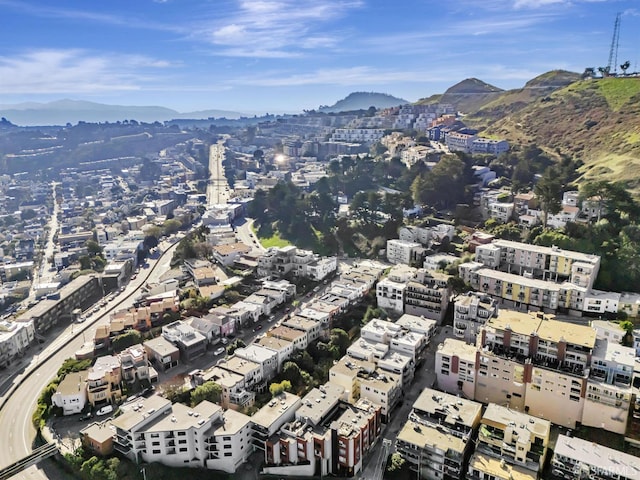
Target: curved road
{"type": "Point", "coordinates": [16, 431]}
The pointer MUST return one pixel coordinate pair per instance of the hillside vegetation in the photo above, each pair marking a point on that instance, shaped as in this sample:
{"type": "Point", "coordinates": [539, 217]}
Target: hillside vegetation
{"type": "Point", "coordinates": [595, 121]}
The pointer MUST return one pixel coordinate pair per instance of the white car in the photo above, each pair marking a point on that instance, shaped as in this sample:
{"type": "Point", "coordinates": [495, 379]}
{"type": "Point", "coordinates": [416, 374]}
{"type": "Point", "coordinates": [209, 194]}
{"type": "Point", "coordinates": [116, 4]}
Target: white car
{"type": "Point", "coordinates": [219, 351]}
{"type": "Point", "coordinates": [106, 410]}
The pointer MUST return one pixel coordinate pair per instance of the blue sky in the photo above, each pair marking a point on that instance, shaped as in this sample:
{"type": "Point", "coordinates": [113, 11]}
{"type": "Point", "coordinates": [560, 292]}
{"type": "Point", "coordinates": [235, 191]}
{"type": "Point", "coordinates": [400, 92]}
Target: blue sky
{"type": "Point", "coordinates": [258, 56]}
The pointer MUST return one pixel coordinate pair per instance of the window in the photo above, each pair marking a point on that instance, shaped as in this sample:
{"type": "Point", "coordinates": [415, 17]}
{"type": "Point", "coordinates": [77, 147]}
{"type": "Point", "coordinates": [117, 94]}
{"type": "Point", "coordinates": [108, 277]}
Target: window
{"type": "Point", "coordinates": [228, 454]}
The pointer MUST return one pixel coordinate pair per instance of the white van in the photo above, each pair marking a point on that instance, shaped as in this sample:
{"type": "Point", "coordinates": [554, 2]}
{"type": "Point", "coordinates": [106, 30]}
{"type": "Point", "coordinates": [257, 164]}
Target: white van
{"type": "Point", "coordinates": [106, 410]}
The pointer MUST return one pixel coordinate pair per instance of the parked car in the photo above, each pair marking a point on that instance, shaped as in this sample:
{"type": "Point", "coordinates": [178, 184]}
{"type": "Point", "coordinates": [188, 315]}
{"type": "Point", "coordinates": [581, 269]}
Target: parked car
{"type": "Point", "coordinates": [257, 327]}
{"type": "Point", "coordinates": [86, 416]}
{"type": "Point", "coordinates": [106, 410]}
{"type": "Point", "coordinates": [224, 341]}
{"type": "Point", "coordinates": [219, 351]}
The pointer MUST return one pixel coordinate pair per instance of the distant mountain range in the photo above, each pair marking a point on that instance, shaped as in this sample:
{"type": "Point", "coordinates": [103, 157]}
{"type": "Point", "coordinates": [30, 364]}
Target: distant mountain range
{"type": "Point", "coordinates": [362, 101]}
{"type": "Point", "coordinates": [66, 111]}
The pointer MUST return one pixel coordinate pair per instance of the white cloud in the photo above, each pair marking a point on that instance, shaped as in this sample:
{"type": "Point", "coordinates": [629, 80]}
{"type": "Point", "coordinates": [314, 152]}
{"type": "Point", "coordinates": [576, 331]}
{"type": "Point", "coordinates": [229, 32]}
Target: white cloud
{"type": "Point", "coordinates": [536, 3]}
{"type": "Point", "coordinates": [275, 28]}
{"type": "Point", "coordinates": [75, 71]}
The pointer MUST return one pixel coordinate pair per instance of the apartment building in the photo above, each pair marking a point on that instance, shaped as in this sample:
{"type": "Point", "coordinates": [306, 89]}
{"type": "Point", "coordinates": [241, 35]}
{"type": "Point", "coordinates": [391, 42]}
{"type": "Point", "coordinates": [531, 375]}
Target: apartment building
{"type": "Point", "coordinates": [516, 437]}
{"type": "Point", "coordinates": [79, 293]}
{"type": "Point", "coordinates": [418, 324]}
{"type": "Point", "coordinates": [234, 394]}
{"type": "Point", "coordinates": [305, 445]}
{"type": "Point", "coordinates": [428, 295]}
{"type": "Point", "coordinates": [390, 290]}
{"type": "Point", "coordinates": [268, 420]}
{"type": "Point", "coordinates": [298, 338]}
{"type": "Point", "coordinates": [546, 263]}
{"type": "Point", "coordinates": [357, 135]}
{"type": "Point", "coordinates": [455, 367]}
{"type": "Point", "coordinates": [15, 339]}
{"type": "Point", "coordinates": [162, 353]}
{"type": "Point", "coordinates": [609, 389]}
{"type": "Point", "coordinates": [279, 261]}
{"type": "Point", "coordinates": [400, 251]}
{"type": "Point", "coordinates": [485, 467]}
{"type": "Point", "coordinates": [436, 440]}
{"type": "Point", "coordinates": [577, 458]}
{"type": "Point", "coordinates": [470, 313]}
{"type": "Point", "coordinates": [205, 436]}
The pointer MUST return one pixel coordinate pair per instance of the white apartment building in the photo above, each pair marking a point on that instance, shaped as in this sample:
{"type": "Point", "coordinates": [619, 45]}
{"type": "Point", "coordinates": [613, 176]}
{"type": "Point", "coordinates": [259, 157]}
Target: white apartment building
{"type": "Point", "coordinates": [470, 312]}
{"type": "Point", "coordinates": [416, 324]}
{"type": "Point", "coordinates": [428, 295]}
{"type": "Point", "coordinates": [380, 331]}
{"type": "Point", "coordinates": [390, 294]}
{"type": "Point", "coordinates": [610, 331]}
{"type": "Point", "coordinates": [15, 338]}
{"type": "Point", "coordinates": [204, 436]}
{"type": "Point", "coordinates": [357, 135]}
{"type": "Point", "coordinates": [283, 348]}
{"type": "Point", "coordinates": [400, 251]}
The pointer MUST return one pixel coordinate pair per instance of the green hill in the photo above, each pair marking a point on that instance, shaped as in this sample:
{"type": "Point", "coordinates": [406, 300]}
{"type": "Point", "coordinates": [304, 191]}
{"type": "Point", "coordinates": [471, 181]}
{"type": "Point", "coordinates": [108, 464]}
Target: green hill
{"type": "Point", "coordinates": [596, 121]}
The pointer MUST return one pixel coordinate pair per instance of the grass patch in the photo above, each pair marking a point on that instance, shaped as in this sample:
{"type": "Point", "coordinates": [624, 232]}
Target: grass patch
{"type": "Point", "coordinates": [618, 91]}
{"type": "Point", "coordinates": [274, 240]}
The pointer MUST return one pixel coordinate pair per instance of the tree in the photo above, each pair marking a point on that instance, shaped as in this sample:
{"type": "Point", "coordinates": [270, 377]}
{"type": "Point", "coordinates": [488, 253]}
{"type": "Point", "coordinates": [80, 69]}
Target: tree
{"type": "Point", "coordinates": [233, 346]}
{"type": "Point", "coordinates": [93, 247]}
{"type": "Point", "coordinates": [396, 463]}
{"type": "Point", "coordinates": [340, 339]}
{"type": "Point", "coordinates": [209, 391]}
{"type": "Point", "coordinates": [549, 190]}
{"type": "Point", "coordinates": [126, 340]}
{"type": "Point", "coordinates": [277, 388]}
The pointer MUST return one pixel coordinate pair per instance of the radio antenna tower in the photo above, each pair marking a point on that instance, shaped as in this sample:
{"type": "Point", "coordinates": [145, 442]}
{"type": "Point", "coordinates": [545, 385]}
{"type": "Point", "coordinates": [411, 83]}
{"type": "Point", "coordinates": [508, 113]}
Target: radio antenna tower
{"type": "Point", "coordinates": [613, 51]}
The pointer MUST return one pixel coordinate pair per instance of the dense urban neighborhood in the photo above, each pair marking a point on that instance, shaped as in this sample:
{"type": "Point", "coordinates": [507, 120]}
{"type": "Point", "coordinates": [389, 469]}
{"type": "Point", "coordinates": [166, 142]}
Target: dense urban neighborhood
{"type": "Point", "coordinates": [379, 293]}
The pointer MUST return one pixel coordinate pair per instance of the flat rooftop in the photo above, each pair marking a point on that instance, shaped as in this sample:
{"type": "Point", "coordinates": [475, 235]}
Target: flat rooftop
{"type": "Point", "coordinates": [614, 352]}
{"type": "Point", "coordinates": [183, 417]}
{"type": "Point", "coordinates": [427, 437]}
{"type": "Point", "coordinates": [459, 348]}
{"type": "Point", "coordinates": [599, 456]}
{"type": "Point", "coordinates": [284, 404]}
{"type": "Point", "coordinates": [319, 402]}
{"type": "Point", "coordinates": [239, 365]}
{"type": "Point", "coordinates": [502, 417]}
{"type": "Point", "coordinates": [499, 470]}
{"type": "Point", "coordinates": [136, 412]}
{"type": "Point", "coordinates": [457, 410]}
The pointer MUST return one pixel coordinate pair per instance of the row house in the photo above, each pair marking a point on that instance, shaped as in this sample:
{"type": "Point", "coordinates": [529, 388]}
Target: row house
{"type": "Point", "coordinates": [310, 329]}
{"type": "Point", "coordinates": [298, 338]}
{"type": "Point", "coordinates": [162, 353]}
{"type": "Point", "coordinates": [134, 364]}
{"type": "Point", "coordinates": [190, 342]}
{"type": "Point", "coordinates": [251, 371]}
{"type": "Point", "coordinates": [104, 381]}
{"type": "Point", "coordinates": [268, 359]}
{"type": "Point", "coordinates": [234, 393]}
{"type": "Point", "coordinates": [283, 348]}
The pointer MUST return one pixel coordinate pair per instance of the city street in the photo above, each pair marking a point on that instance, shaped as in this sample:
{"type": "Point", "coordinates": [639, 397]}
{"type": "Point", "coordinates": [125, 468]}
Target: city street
{"type": "Point", "coordinates": [424, 378]}
{"type": "Point", "coordinates": [18, 402]}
